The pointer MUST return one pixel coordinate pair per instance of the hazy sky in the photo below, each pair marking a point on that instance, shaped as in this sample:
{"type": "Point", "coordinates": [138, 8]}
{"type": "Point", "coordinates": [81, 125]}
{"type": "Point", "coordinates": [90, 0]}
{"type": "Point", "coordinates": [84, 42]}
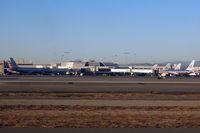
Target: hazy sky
{"type": "Point", "coordinates": [120, 30]}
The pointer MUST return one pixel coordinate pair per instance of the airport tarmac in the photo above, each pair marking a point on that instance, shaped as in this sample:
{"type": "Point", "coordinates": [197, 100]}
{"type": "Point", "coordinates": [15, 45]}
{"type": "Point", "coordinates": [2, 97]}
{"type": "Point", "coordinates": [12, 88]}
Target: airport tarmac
{"type": "Point", "coordinates": [91, 78]}
{"type": "Point", "coordinates": [91, 84]}
{"type": "Point", "coordinates": [121, 103]}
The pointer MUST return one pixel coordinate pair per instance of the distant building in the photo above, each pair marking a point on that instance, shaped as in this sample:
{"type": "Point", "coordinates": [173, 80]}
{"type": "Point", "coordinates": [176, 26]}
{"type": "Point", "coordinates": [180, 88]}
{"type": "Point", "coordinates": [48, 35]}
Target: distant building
{"type": "Point", "coordinates": [109, 64]}
{"type": "Point", "coordinates": [2, 67]}
{"type": "Point", "coordinates": [53, 65]}
{"type": "Point", "coordinates": [21, 61]}
{"type": "Point", "coordinates": [196, 68]}
{"type": "Point", "coordinates": [72, 65]}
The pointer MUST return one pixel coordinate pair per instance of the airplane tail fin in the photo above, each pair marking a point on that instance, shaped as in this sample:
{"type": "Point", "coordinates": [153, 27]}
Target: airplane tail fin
{"type": "Point", "coordinates": [12, 64]}
{"type": "Point", "coordinates": [155, 66]}
{"type": "Point", "coordinates": [191, 66]}
{"type": "Point", "coordinates": [178, 67]}
{"type": "Point", "coordinates": [168, 66]}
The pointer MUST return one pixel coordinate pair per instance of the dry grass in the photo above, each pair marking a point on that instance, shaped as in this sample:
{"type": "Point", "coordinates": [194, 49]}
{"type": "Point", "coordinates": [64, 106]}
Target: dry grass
{"type": "Point", "coordinates": [98, 116]}
{"type": "Point", "coordinates": [82, 116]}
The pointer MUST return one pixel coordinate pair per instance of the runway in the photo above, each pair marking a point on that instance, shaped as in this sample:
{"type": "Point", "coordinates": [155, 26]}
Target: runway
{"type": "Point", "coordinates": [98, 88]}
{"type": "Point", "coordinates": [91, 84]}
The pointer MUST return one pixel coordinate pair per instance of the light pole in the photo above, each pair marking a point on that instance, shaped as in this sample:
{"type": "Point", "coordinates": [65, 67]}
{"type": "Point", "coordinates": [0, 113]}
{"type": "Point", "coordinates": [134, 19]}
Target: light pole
{"type": "Point", "coordinates": [126, 56]}
{"type": "Point", "coordinates": [114, 58]}
{"type": "Point", "coordinates": [62, 55]}
{"type": "Point", "coordinates": [67, 53]}
{"type": "Point", "coordinates": [134, 58]}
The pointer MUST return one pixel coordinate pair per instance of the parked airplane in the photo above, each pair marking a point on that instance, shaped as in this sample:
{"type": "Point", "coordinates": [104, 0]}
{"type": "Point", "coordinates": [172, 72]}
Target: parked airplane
{"type": "Point", "coordinates": [168, 66]}
{"type": "Point", "coordinates": [176, 72]}
{"type": "Point", "coordinates": [146, 67]}
{"type": "Point", "coordinates": [23, 70]}
{"type": "Point", "coordinates": [149, 70]}
{"type": "Point", "coordinates": [60, 71]}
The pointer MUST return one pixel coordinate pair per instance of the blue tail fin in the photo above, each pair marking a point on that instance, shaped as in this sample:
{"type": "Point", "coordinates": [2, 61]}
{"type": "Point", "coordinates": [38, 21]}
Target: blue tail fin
{"type": "Point", "coordinates": [12, 64]}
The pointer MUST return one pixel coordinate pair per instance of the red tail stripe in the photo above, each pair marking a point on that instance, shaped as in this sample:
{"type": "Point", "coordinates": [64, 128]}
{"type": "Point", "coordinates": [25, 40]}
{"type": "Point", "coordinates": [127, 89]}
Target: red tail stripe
{"type": "Point", "coordinates": [9, 64]}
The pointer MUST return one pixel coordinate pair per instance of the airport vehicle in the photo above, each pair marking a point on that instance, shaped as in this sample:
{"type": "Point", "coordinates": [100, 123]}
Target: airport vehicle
{"type": "Point", "coordinates": [23, 70]}
{"type": "Point", "coordinates": [176, 72]}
